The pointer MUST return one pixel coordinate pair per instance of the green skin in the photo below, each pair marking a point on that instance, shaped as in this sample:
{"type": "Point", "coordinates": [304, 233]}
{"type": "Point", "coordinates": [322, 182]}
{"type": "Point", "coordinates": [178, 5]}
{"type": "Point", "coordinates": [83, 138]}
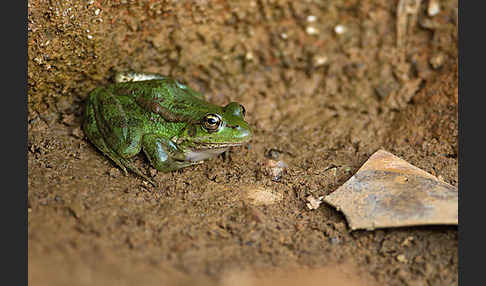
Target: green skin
{"type": "Point", "coordinates": [170, 122]}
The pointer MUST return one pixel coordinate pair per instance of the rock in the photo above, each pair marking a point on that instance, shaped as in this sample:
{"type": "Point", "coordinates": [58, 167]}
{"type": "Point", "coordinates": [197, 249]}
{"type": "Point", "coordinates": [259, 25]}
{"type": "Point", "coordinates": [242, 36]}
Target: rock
{"type": "Point", "coordinates": [340, 29]}
{"type": "Point", "coordinates": [274, 169]}
{"type": "Point", "coordinates": [313, 203]}
{"type": "Point", "coordinates": [311, 18]}
{"type": "Point", "coordinates": [311, 30]}
{"type": "Point", "coordinates": [389, 192]}
{"type": "Point", "coordinates": [401, 258]}
{"type": "Point", "coordinates": [433, 8]}
{"type": "Point", "coordinates": [406, 241]}
{"type": "Point", "coordinates": [437, 60]}
{"type": "Point", "coordinates": [261, 196]}
{"type": "Point", "coordinates": [319, 60]}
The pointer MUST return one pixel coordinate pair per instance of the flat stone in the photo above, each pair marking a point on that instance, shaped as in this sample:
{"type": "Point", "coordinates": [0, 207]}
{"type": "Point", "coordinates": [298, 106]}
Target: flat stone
{"type": "Point", "coordinates": [389, 192]}
{"type": "Point", "coordinates": [261, 196]}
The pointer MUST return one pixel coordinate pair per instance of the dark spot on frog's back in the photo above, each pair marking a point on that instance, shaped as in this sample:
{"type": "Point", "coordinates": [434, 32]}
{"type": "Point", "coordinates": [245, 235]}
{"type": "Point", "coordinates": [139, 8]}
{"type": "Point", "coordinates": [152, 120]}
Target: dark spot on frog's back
{"type": "Point", "coordinates": [124, 91]}
{"type": "Point", "coordinates": [148, 104]}
{"type": "Point", "coordinates": [119, 121]}
{"type": "Point", "coordinates": [191, 131]}
{"type": "Point", "coordinates": [155, 107]}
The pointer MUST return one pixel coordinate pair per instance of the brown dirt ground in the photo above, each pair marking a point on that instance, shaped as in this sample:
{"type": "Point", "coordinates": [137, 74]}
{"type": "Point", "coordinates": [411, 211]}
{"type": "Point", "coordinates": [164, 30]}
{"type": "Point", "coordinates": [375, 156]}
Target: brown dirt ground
{"type": "Point", "coordinates": [324, 100]}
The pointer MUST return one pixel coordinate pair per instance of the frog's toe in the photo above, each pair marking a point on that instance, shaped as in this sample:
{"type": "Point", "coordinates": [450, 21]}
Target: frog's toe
{"type": "Point", "coordinates": [137, 171]}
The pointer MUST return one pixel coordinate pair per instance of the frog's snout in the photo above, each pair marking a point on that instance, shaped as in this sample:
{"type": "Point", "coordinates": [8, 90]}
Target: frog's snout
{"type": "Point", "coordinates": [244, 133]}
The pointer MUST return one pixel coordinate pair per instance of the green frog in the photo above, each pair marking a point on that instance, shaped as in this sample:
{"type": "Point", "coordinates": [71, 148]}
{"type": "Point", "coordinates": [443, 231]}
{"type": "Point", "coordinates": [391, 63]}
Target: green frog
{"type": "Point", "coordinates": [173, 124]}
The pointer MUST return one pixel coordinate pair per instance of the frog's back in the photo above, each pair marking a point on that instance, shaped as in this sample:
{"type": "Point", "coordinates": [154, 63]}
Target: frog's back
{"type": "Point", "coordinates": [138, 118]}
{"type": "Point", "coordinates": [162, 106]}
{"type": "Point", "coordinates": [113, 113]}
{"type": "Point", "coordinates": [168, 98]}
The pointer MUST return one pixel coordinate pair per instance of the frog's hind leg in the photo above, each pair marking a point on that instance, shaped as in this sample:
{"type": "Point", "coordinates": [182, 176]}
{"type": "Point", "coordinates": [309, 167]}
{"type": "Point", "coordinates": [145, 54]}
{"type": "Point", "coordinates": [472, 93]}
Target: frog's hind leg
{"type": "Point", "coordinates": [94, 135]}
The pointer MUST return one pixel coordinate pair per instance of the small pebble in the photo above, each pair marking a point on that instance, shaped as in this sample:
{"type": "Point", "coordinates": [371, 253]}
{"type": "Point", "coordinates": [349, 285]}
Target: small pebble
{"type": "Point", "coordinates": [319, 60]}
{"type": "Point", "coordinates": [311, 30]}
{"type": "Point", "coordinates": [274, 169]}
{"type": "Point", "coordinates": [313, 203]}
{"type": "Point", "coordinates": [335, 240]}
{"type": "Point", "coordinates": [437, 60]}
{"type": "Point", "coordinates": [401, 258]}
{"type": "Point", "coordinates": [406, 241]}
{"type": "Point", "coordinates": [273, 154]}
{"type": "Point", "coordinates": [433, 8]}
{"type": "Point", "coordinates": [262, 196]}
{"type": "Point", "coordinates": [340, 29]}
{"type": "Point", "coordinates": [311, 18]}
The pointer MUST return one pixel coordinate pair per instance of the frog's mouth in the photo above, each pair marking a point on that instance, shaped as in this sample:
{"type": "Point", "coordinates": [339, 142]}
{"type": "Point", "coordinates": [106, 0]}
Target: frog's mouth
{"type": "Point", "coordinates": [207, 151]}
{"type": "Point", "coordinates": [201, 146]}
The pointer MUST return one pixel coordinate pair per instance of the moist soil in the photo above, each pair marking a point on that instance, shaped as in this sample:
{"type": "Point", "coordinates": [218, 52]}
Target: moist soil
{"type": "Point", "coordinates": [325, 84]}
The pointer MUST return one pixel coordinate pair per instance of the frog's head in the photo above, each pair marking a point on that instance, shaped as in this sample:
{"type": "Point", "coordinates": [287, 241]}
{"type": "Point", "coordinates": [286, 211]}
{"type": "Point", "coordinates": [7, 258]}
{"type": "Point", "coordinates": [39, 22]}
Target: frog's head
{"type": "Point", "coordinates": [218, 129]}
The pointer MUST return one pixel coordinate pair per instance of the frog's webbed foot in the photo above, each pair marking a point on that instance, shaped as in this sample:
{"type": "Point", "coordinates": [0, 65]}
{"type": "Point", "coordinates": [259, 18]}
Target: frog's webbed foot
{"type": "Point", "coordinates": [125, 164]}
{"type": "Point", "coordinates": [94, 135]}
{"type": "Point", "coordinates": [128, 164]}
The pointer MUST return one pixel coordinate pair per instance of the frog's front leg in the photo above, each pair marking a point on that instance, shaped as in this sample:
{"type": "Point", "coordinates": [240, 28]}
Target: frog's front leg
{"type": "Point", "coordinates": [163, 154]}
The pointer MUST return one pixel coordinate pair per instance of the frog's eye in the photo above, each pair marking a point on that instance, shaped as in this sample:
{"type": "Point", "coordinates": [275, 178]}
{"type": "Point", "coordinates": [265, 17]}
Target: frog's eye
{"type": "Point", "coordinates": [211, 122]}
{"type": "Point", "coordinates": [243, 110]}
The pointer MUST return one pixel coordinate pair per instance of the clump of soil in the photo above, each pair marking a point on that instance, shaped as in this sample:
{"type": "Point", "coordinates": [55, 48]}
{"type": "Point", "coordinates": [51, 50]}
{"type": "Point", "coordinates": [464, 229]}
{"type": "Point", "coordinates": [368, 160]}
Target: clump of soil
{"type": "Point", "coordinates": [320, 99]}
